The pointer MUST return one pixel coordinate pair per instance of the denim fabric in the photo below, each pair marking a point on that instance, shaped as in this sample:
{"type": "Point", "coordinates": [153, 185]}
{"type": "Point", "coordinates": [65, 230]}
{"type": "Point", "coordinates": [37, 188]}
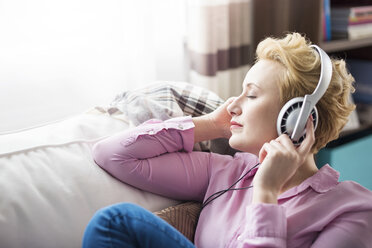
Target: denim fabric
{"type": "Point", "coordinates": [129, 225]}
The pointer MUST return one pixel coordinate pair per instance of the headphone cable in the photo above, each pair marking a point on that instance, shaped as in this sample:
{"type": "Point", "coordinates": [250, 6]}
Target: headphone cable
{"type": "Point", "coordinates": [221, 192]}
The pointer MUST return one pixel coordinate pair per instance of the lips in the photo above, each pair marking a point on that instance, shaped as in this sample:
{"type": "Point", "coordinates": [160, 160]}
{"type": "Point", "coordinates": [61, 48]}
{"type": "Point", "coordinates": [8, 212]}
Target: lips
{"type": "Point", "coordinates": [234, 124]}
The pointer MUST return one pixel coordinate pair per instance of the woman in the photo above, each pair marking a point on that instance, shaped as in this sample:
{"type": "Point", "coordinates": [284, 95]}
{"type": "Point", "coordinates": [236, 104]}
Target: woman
{"type": "Point", "coordinates": [281, 199]}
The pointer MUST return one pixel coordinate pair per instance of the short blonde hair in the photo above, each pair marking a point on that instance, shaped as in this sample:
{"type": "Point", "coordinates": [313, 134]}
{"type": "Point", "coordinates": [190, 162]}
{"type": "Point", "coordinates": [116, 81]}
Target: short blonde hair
{"type": "Point", "coordinates": [301, 76]}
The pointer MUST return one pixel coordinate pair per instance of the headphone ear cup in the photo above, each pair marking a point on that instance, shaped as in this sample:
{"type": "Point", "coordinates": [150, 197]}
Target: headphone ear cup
{"type": "Point", "coordinates": [288, 116]}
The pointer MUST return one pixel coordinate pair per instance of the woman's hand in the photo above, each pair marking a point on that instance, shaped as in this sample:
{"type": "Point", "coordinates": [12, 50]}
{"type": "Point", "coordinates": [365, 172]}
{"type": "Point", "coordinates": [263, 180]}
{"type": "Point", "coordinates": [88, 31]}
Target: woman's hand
{"type": "Point", "coordinates": [213, 125]}
{"type": "Point", "coordinates": [221, 118]}
{"type": "Point", "coordinates": [280, 160]}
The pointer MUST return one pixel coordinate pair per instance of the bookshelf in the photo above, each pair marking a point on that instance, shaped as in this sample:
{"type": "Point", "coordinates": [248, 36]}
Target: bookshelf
{"type": "Point", "coordinates": [274, 18]}
{"type": "Point", "coordinates": [343, 45]}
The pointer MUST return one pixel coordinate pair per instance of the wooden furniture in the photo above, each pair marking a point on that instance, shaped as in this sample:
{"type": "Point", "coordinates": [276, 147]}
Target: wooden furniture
{"type": "Point", "coordinates": [275, 17]}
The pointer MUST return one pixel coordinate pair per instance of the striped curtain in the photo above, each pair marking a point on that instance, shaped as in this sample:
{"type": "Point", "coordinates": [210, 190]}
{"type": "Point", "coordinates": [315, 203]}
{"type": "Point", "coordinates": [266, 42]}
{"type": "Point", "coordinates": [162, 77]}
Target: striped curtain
{"type": "Point", "coordinates": [218, 44]}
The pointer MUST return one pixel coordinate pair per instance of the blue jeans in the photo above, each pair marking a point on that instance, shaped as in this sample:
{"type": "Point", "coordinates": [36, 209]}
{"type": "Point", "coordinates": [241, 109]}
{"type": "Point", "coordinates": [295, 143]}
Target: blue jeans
{"type": "Point", "coordinates": [129, 225]}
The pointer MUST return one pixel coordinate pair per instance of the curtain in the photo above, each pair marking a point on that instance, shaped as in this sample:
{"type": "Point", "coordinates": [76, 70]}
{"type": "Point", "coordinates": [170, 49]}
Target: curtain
{"type": "Point", "coordinates": [218, 44]}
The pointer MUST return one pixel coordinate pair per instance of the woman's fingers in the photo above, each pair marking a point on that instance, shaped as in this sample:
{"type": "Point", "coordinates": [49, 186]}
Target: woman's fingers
{"type": "Point", "coordinates": [263, 152]}
{"type": "Point", "coordinates": [283, 144]}
{"type": "Point", "coordinates": [277, 145]}
{"type": "Point", "coordinates": [229, 101]}
{"type": "Point", "coordinates": [274, 147]}
{"type": "Point", "coordinates": [286, 142]}
{"type": "Point", "coordinates": [308, 142]}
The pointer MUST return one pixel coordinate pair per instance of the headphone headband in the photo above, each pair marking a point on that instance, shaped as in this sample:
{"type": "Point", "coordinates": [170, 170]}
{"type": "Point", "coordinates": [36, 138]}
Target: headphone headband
{"type": "Point", "coordinates": [311, 100]}
{"type": "Point", "coordinates": [325, 74]}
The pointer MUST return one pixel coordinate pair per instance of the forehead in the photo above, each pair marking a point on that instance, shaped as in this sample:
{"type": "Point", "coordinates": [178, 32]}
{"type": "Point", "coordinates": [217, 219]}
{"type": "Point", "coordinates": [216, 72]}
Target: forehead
{"type": "Point", "coordinates": [265, 75]}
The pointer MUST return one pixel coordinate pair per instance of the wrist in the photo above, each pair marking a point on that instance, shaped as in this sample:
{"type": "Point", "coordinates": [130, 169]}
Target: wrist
{"type": "Point", "coordinates": [214, 125]}
{"type": "Point", "coordinates": [221, 125]}
{"type": "Point", "coordinates": [261, 195]}
{"type": "Point", "coordinates": [205, 128]}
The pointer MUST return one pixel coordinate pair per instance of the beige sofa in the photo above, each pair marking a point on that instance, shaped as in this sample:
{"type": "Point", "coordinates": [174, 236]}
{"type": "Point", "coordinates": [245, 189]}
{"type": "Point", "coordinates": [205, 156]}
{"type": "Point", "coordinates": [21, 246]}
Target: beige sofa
{"type": "Point", "coordinates": [49, 184]}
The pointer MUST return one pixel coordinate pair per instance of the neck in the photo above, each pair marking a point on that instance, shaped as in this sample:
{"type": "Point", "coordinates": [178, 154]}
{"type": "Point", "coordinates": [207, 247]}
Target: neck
{"type": "Point", "coordinates": [306, 170]}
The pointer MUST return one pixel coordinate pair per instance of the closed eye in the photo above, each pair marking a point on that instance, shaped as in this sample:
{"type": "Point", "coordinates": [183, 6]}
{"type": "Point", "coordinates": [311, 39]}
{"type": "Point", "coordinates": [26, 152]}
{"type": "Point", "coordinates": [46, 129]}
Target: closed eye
{"type": "Point", "coordinates": [251, 97]}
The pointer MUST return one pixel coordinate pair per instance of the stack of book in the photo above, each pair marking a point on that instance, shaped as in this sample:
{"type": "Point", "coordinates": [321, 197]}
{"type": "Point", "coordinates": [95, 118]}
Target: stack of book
{"type": "Point", "coordinates": [351, 22]}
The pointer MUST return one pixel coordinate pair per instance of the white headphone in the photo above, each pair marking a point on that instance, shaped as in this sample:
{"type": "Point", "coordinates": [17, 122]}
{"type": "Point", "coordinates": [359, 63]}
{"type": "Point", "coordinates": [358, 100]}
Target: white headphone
{"type": "Point", "coordinates": [293, 116]}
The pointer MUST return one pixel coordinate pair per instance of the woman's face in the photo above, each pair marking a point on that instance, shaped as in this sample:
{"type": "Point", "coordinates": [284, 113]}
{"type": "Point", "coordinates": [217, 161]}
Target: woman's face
{"type": "Point", "coordinates": [255, 111]}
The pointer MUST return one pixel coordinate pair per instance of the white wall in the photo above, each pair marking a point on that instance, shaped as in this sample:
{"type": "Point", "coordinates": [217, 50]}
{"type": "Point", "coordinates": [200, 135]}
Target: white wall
{"type": "Point", "coordinates": [59, 58]}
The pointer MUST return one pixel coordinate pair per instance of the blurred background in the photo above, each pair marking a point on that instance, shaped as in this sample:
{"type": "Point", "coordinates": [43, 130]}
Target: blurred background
{"type": "Point", "coordinates": [60, 58]}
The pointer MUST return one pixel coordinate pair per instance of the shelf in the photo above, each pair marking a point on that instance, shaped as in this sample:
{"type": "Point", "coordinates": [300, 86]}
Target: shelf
{"type": "Point", "coordinates": [351, 135]}
{"type": "Point", "coordinates": [341, 45]}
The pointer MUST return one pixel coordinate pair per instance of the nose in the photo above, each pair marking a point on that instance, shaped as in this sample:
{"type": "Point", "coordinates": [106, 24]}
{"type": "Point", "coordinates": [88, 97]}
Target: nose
{"type": "Point", "coordinates": [234, 107]}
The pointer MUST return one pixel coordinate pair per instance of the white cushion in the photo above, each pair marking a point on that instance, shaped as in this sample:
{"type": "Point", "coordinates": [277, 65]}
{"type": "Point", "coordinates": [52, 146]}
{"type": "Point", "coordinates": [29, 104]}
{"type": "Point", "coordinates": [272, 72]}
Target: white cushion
{"type": "Point", "coordinates": [50, 186]}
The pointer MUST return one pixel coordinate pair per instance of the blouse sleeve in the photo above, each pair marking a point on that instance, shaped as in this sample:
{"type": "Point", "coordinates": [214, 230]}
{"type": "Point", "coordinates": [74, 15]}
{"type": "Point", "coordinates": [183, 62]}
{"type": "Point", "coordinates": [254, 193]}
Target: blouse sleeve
{"type": "Point", "coordinates": [351, 229]}
{"type": "Point", "coordinates": [266, 226]}
{"type": "Point", "coordinates": [157, 157]}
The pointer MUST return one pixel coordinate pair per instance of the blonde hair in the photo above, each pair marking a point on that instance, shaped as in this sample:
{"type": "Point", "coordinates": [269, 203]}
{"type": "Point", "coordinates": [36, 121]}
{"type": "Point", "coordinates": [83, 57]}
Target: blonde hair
{"type": "Point", "coordinates": [301, 76]}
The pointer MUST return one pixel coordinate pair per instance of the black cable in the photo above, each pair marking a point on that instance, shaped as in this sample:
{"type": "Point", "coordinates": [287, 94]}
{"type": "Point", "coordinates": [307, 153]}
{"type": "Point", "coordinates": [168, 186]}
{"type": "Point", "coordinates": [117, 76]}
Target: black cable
{"type": "Point", "coordinates": [221, 192]}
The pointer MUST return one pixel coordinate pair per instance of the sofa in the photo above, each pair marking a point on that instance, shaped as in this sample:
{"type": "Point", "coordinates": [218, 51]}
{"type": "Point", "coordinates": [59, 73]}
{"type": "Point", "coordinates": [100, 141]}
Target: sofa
{"type": "Point", "coordinates": [50, 185]}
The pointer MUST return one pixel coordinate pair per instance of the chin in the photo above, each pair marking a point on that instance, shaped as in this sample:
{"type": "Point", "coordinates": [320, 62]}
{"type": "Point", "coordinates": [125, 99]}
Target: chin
{"type": "Point", "coordinates": [233, 145]}
{"type": "Point", "coordinates": [243, 145]}
{"type": "Point", "coordinates": [238, 144]}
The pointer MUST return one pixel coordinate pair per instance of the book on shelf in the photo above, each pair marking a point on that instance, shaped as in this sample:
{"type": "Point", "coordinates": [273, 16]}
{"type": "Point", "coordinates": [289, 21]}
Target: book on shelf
{"type": "Point", "coordinates": [362, 73]}
{"type": "Point", "coordinates": [351, 22]}
{"type": "Point", "coordinates": [326, 20]}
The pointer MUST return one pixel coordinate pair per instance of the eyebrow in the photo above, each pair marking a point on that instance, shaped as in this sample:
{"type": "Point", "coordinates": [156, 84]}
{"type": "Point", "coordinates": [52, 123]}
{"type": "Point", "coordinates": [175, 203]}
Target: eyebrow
{"type": "Point", "coordinates": [250, 84]}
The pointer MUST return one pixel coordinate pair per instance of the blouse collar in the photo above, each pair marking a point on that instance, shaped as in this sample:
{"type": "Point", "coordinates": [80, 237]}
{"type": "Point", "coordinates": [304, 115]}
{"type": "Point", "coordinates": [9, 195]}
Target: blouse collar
{"type": "Point", "coordinates": [322, 181]}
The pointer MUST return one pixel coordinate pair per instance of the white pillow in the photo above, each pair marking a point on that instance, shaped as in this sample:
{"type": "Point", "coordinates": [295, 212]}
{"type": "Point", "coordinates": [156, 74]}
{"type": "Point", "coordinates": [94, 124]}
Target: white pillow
{"type": "Point", "coordinates": [50, 186]}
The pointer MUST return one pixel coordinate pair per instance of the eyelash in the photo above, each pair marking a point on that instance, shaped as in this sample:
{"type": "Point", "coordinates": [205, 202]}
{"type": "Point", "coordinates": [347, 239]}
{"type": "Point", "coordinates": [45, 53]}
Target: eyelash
{"type": "Point", "coordinates": [251, 97]}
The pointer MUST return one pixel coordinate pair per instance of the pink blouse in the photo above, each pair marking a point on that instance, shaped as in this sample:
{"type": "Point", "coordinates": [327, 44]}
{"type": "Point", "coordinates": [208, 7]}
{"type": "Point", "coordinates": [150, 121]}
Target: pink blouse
{"type": "Point", "coordinates": [157, 156]}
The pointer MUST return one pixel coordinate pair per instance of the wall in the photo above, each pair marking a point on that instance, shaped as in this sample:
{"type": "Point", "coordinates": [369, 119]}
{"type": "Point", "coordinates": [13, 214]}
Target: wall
{"type": "Point", "coordinates": [59, 58]}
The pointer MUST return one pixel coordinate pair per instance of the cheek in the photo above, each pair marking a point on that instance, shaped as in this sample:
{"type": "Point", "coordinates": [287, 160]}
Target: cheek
{"type": "Point", "coordinates": [263, 120]}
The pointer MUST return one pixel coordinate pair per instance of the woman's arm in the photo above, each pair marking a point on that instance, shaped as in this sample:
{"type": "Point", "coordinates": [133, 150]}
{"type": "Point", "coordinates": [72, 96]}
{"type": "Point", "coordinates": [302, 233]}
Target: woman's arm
{"type": "Point", "coordinates": [347, 230]}
{"type": "Point", "coordinates": [280, 160]}
{"type": "Point", "coordinates": [156, 156]}
{"type": "Point", "coordinates": [213, 125]}
{"type": "Point", "coordinates": [205, 129]}
{"type": "Point", "coordinates": [267, 224]}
